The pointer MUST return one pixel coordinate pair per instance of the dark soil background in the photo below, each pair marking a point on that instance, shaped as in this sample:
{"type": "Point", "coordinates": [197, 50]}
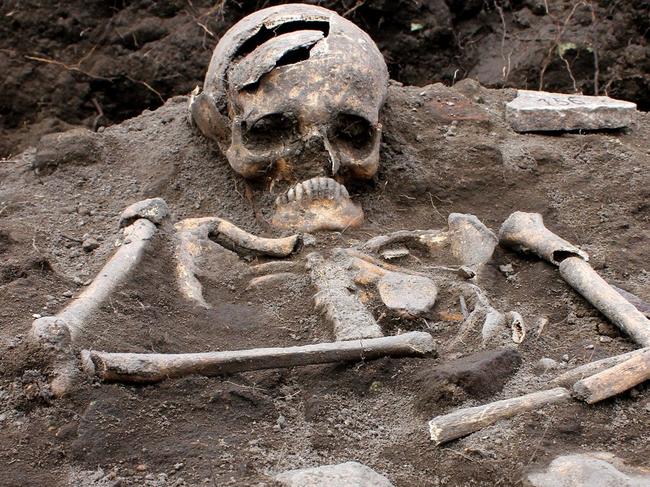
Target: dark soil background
{"type": "Point", "coordinates": [97, 62]}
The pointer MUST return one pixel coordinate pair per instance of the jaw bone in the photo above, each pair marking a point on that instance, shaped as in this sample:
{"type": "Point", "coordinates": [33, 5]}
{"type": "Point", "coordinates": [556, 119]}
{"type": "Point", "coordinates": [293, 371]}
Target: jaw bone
{"type": "Point", "coordinates": [316, 204]}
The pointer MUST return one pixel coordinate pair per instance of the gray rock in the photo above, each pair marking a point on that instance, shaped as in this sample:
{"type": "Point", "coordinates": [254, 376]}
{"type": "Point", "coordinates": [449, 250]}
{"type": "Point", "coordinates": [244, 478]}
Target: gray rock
{"type": "Point", "coordinates": [153, 209]}
{"type": "Point", "coordinates": [589, 470]}
{"type": "Point", "coordinates": [472, 243]}
{"type": "Point", "coordinates": [90, 244]}
{"type": "Point", "coordinates": [533, 111]}
{"type": "Point", "coordinates": [349, 474]}
{"type": "Point", "coordinates": [414, 295]}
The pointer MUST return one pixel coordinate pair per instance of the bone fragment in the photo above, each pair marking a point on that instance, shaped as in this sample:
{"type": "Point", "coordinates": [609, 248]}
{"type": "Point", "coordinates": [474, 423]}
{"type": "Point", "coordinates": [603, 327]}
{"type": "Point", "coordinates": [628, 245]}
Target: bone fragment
{"type": "Point", "coordinates": [153, 209]}
{"type": "Point", "coordinates": [526, 232]}
{"type": "Point", "coordinates": [587, 370]}
{"type": "Point", "coordinates": [614, 380]}
{"type": "Point", "coordinates": [273, 247]}
{"type": "Point", "coordinates": [472, 243]}
{"type": "Point", "coordinates": [337, 296]}
{"type": "Point", "coordinates": [638, 303]}
{"type": "Point", "coordinates": [468, 420]}
{"type": "Point", "coordinates": [581, 277]}
{"type": "Point", "coordinates": [273, 280]}
{"type": "Point", "coordinates": [274, 267]}
{"type": "Point", "coordinates": [517, 326]}
{"type": "Point", "coordinates": [155, 367]}
{"type": "Point", "coordinates": [412, 295]}
{"type": "Point", "coordinates": [433, 240]}
{"type": "Point", "coordinates": [58, 333]}
{"type": "Point", "coordinates": [264, 59]}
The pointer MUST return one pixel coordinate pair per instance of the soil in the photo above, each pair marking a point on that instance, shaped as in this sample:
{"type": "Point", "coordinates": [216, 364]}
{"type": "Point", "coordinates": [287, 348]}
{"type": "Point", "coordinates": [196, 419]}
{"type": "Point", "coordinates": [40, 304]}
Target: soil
{"type": "Point", "coordinates": [444, 150]}
{"type": "Point", "coordinates": [92, 65]}
{"type": "Point", "coordinates": [95, 63]}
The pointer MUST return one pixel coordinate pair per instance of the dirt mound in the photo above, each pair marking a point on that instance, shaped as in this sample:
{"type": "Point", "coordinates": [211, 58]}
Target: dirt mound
{"type": "Point", "coordinates": [97, 63]}
{"type": "Point", "coordinates": [238, 430]}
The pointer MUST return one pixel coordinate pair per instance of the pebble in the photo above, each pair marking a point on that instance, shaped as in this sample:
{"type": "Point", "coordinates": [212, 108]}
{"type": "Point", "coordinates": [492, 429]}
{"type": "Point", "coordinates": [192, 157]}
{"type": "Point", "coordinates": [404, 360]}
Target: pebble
{"type": "Point", "coordinates": [67, 294]}
{"type": "Point", "coordinates": [90, 244]}
{"type": "Point", "coordinates": [589, 347]}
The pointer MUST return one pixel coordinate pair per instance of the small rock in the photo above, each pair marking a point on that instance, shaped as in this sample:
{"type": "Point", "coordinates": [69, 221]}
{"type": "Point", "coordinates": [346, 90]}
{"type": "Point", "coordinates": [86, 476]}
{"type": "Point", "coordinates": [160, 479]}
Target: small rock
{"type": "Point", "coordinates": [67, 294]}
{"type": "Point", "coordinates": [141, 467]}
{"type": "Point", "coordinates": [546, 364]}
{"type": "Point", "coordinates": [396, 253]}
{"type": "Point", "coordinates": [607, 329]}
{"type": "Point", "coordinates": [589, 347]}
{"type": "Point", "coordinates": [604, 339]}
{"type": "Point", "coordinates": [178, 466]}
{"type": "Point", "coordinates": [349, 474]}
{"type": "Point", "coordinates": [466, 272]}
{"type": "Point", "coordinates": [589, 470]}
{"type": "Point", "coordinates": [543, 111]}
{"type": "Point", "coordinates": [90, 244]}
{"type": "Point", "coordinates": [565, 357]}
{"type": "Point", "coordinates": [308, 240]}
{"type": "Point", "coordinates": [507, 269]}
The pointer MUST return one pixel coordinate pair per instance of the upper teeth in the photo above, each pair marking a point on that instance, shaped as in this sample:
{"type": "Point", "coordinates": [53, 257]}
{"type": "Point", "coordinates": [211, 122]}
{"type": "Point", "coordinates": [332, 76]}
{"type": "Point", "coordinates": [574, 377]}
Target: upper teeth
{"type": "Point", "coordinates": [315, 188]}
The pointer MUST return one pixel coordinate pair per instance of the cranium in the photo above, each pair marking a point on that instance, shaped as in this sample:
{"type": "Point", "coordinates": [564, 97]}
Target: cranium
{"type": "Point", "coordinates": [294, 93]}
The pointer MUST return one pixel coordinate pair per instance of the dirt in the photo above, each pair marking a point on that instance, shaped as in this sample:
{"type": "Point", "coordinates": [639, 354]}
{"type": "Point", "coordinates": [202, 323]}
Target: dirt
{"type": "Point", "coordinates": [95, 63]}
{"type": "Point", "coordinates": [591, 188]}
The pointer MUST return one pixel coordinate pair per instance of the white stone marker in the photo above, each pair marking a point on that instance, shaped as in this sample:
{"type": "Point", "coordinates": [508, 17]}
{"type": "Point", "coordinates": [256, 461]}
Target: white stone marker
{"type": "Point", "coordinates": [541, 111]}
{"type": "Point", "coordinates": [349, 474]}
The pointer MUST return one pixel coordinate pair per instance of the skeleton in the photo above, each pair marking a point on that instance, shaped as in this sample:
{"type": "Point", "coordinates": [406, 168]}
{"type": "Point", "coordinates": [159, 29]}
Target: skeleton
{"type": "Point", "coordinates": [292, 97]}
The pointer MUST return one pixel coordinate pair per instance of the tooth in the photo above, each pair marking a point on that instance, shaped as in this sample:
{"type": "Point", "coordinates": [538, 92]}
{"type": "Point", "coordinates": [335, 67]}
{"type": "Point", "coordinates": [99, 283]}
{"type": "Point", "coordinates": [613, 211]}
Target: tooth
{"type": "Point", "coordinates": [299, 192]}
{"type": "Point", "coordinates": [309, 190]}
{"type": "Point", "coordinates": [291, 195]}
{"type": "Point", "coordinates": [344, 192]}
{"type": "Point", "coordinates": [331, 189]}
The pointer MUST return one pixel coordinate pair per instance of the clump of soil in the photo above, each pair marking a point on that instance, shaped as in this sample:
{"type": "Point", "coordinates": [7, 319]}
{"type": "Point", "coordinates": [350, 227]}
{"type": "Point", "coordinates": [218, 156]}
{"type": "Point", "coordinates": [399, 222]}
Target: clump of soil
{"type": "Point", "coordinates": [591, 188]}
{"type": "Point", "coordinates": [97, 63]}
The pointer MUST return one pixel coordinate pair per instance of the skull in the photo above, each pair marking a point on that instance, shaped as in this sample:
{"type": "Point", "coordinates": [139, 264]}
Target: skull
{"type": "Point", "coordinates": [293, 93]}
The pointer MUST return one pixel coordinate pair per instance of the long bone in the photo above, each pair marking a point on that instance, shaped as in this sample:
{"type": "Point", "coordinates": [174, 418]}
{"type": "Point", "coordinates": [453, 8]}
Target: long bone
{"type": "Point", "coordinates": [58, 333]}
{"type": "Point", "coordinates": [526, 231]}
{"type": "Point", "coordinates": [155, 367]}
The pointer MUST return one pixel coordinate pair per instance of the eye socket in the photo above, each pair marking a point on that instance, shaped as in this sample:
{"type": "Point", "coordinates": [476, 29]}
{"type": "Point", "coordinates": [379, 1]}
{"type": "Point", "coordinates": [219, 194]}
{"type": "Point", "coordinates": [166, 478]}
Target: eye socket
{"type": "Point", "coordinates": [271, 130]}
{"type": "Point", "coordinates": [354, 132]}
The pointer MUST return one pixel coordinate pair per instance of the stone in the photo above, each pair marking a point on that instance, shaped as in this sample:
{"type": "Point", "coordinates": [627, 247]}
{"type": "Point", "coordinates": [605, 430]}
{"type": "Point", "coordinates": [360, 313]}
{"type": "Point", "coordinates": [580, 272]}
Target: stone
{"type": "Point", "coordinates": [546, 364]}
{"type": "Point", "coordinates": [414, 295]}
{"type": "Point", "coordinates": [153, 209]}
{"type": "Point", "coordinates": [540, 111]}
{"type": "Point", "coordinates": [472, 243]}
{"type": "Point", "coordinates": [589, 470]}
{"type": "Point", "coordinates": [349, 474]}
{"type": "Point", "coordinates": [396, 253]}
{"type": "Point", "coordinates": [90, 244]}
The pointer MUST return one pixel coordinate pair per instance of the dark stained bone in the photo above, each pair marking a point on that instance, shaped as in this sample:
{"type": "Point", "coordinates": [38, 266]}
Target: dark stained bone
{"type": "Point", "coordinates": [155, 367]}
{"type": "Point", "coordinates": [526, 232]}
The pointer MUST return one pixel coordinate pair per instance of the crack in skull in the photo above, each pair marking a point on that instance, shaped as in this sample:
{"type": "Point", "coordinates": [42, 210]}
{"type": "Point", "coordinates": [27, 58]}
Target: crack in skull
{"type": "Point", "coordinates": [297, 88]}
